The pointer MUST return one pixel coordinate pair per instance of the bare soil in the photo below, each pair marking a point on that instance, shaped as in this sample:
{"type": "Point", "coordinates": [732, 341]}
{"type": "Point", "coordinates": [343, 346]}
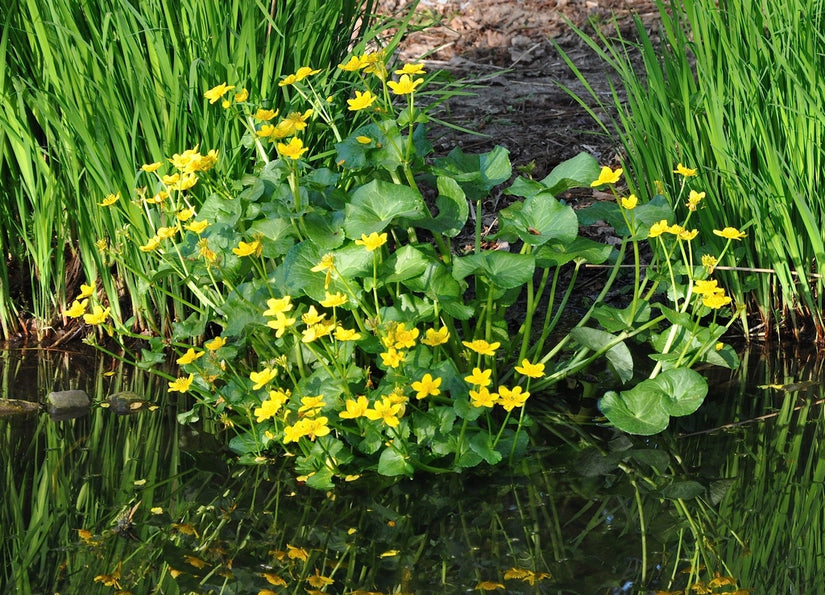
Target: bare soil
{"type": "Point", "coordinates": [509, 48]}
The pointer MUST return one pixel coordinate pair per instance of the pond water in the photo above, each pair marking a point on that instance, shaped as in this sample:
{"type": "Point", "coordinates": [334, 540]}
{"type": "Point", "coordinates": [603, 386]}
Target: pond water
{"type": "Point", "coordinates": [730, 498]}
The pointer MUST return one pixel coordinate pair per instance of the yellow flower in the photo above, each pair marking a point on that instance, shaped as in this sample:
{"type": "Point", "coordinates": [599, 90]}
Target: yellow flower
{"type": "Point", "coordinates": [242, 96]}
{"type": "Point", "coordinates": [707, 287]}
{"type": "Point", "coordinates": [86, 291]}
{"type": "Point", "coordinates": [352, 65]}
{"type": "Point", "coordinates": [411, 69]}
{"type": "Point", "coordinates": [311, 405]}
{"type": "Point", "coordinates": [364, 140]}
{"type": "Point", "coordinates": [97, 316]}
{"type": "Point", "coordinates": [293, 150]}
{"type": "Point", "coordinates": [426, 386]}
{"type": "Point", "coordinates": [530, 370]}
{"type": "Point", "coordinates": [709, 262]}
{"type": "Point", "coordinates": [158, 198]}
{"type": "Point", "coordinates": [658, 228]}
{"type": "Point", "coordinates": [630, 202]}
{"type": "Point", "coordinates": [327, 263]}
{"type": "Point", "coordinates": [110, 200]}
{"type": "Point", "coordinates": [150, 245]}
{"type": "Point", "coordinates": [684, 171]}
{"type": "Point", "coordinates": [401, 338]}
{"type": "Point", "coordinates": [405, 85]}
{"type": "Point", "coordinates": [312, 317]}
{"type": "Point", "coordinates": [361, 101]}
{"type": "Point", "coordinates": [182, 384]}
{"type": "Point", "coordinates": [297, 120]}
{"type": "Point", "coordinates": [607, 176]}
{"type": "Point", "coordinates": [278, 306]}
{"type": "Point", "coordinates": [433, 337]}
{"type": "Point", "coordinates": [280, 324]}
{"type": "Point", "coordinates": [190, 356]}
{"type": "Point", "coordinates": [730, 233]}
{"type": "Point", "coordinates": [386, 411]}
{"type": "Point", "coordinates": [197, 226]}
{"type": "Point", "coordinates": [77, 309]}
{"type": "Point", "coordinates": [164, 233]}
{"type": "Point", "coordinates": [316, 331]}
{"type": "Point", "coordinates": [479, 377]}
{"type": "Point", "coordinates": [716, 301]}
{"type": "Point", "coordinates": [264, 115]}
{"type": "Point", "coordinates": [263, 377]}
{"type": "Point", "coordinates": [482, 347]}
{"type": "Point", "coordinates": [102, 245]}
{"type": "Point", "coordinates": [694, 198]}
{"type": "Point", "coordinates": [355, 408]}
{"type": "Point", "coordinates": [215, 344]}
{"type": "Point", "coordinates": [150, 167]}
{"type": "Point", "coordinates": [248, 249]}
{"type": "Point", "coordinates": [392, 358]}
{"type": "Point", "coordinates": [185, 214]}
{"type": "Point", "coordinates": [333, 300]}
{"type": "Point", "coordinates": [373, 241]}
{"type": "Point", "coordinates": [343, 334]}
{"type": "Point", "coordinates": [509, 399]}
{"type": "Point", "coordinates": [483, 397]}
{"type": "Point", "coordinates": [271, 406]}
{"type": "Point", "coordinates": [186, 181]}
{"type": "Point", "coordinates": [688, 235]}
{"type": "Point", "coordinates": [301, 74]}
{"type": "Point", "coordinates": [217, 92]}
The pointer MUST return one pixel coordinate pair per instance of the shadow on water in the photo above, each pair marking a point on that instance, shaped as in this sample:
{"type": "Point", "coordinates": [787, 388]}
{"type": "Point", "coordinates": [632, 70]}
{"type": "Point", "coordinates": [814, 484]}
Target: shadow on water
{"type": "Point", "coordinates": [137, 503]}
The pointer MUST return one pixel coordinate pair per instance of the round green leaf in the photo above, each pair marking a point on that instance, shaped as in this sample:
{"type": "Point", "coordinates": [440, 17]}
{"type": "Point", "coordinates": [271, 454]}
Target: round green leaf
{"type": "Point", "coordinates": [636, 411]}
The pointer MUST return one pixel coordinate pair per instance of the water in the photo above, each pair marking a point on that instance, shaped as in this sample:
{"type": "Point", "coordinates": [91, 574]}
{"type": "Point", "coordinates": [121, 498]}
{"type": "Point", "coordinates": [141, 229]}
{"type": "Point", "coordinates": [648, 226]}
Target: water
{"type": "Point", "coordinates": [108, 502]}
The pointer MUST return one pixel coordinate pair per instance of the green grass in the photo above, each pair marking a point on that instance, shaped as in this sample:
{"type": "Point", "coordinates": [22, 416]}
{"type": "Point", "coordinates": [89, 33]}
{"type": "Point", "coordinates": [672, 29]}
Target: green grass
{"type": "Point", "coordinates": [736, 91]}
{"type": "Point", "coordinates": [89, 89]}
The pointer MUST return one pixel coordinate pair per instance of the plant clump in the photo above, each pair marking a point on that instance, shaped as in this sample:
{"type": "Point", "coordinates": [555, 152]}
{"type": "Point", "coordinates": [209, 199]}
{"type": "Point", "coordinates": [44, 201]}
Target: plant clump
{"type": "Point", "coordinates": [332, 319]}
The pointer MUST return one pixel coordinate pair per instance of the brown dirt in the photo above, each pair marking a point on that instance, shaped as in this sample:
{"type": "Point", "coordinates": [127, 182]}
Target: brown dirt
{"type": "Point", "coordinates": [508, 46]}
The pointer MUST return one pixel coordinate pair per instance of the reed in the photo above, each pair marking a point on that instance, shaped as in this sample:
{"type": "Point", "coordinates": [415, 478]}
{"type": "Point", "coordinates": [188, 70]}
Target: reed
{"type": "Point", "coordinates": [90, 89]}
{"type": "Point", "coordinates": [734, 89]}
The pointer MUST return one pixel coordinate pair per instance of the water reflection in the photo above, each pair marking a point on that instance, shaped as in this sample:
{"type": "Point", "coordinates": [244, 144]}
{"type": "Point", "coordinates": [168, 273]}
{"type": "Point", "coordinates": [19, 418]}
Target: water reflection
{"type": "Point", "coordinates": [142, 504]}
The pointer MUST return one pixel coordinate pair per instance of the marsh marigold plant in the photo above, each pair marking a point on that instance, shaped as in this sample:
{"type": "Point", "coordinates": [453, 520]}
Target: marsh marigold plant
{"type": "Point", "coordinates": [331, 314]}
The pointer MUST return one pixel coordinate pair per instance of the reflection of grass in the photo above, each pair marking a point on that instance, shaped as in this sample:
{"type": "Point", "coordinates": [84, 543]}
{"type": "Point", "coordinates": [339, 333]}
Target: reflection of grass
{"type": "Point", "coordinates": [570, 511]}
{"type": "Point", "coordinates": [769, 497]}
